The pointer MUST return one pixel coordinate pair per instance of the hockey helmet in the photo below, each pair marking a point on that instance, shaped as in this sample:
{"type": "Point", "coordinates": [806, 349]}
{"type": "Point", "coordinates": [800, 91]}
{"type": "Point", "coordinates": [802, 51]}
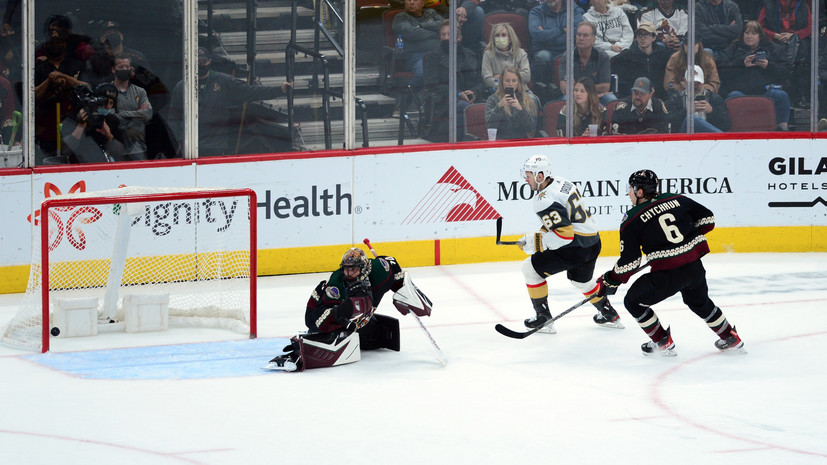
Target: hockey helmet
{"type": "Point", "coordinates": [536, 164]}
{"type": "Point", "coordinates": [355, 257]}
{"type": "Point", "coordinates": [646, 180]}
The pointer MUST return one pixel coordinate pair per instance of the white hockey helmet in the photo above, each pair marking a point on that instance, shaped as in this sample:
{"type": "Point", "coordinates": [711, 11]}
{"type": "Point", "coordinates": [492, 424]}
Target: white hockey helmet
{"type": "Point", "coordinates": [536, 164]}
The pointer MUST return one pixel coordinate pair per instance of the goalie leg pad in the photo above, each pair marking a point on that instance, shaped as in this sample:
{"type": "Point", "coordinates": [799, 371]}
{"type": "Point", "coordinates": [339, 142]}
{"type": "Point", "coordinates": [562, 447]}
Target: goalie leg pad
{"type": "Point", "coordinates": [328, 350]}
{"type": "Point", "coordinates": [381, 333]}
{"type": "Point", "coordinates": [410, 299]}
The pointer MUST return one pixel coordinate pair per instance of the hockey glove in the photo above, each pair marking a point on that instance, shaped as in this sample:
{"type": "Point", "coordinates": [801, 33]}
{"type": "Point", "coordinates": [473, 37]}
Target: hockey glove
{"type": "Point", "coordinates": [606, 285]}
{"type": "Point", "coordinates": [531, 243]}
{"type": "Point", "coordinates": [358, 288]}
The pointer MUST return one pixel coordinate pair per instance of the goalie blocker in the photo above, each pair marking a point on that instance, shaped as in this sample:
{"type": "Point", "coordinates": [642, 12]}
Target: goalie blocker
{"type": "Point", "coordinates": [338, 333]}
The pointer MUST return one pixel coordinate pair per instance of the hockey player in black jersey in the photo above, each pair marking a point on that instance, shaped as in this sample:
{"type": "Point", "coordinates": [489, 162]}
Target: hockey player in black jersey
{"type": "Point", "coordinates": [568, 241]}
{"type": "Point", "coordinates": [669, 229]}
{"type": "Point", "coordinates": [340, 314]}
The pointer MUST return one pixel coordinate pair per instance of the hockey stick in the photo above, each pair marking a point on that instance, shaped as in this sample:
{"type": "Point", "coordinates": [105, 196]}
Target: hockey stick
{"type": "Point", "coordinates": [522, 335]}
{"type": "Point", "coordinates": [499, 232]}
{"type": "Point", "coordinates": [439, 355]}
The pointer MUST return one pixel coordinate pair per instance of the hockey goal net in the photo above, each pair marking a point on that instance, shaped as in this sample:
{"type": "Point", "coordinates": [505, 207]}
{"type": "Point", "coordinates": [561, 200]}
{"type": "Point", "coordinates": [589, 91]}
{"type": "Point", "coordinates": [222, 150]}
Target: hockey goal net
{"type": "Point", "coordinates": [195, 248]}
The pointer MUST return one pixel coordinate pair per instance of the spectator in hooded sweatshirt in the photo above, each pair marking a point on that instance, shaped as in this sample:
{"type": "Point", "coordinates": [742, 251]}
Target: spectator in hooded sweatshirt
{"type": "Point", "coordinates": [614, 33]}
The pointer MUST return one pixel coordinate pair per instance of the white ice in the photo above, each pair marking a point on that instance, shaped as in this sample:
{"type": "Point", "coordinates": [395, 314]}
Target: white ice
{"type": "Point", "coordinates": [583, 396]}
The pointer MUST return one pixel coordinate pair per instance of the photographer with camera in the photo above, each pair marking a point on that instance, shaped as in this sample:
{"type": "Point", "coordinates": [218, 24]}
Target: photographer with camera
{"type": "Point", "coordinates": [90, 133]}
{"type": "Point", "coordinates": [710, 112]}
{"type": "Point", "coordinates": [511, 110]}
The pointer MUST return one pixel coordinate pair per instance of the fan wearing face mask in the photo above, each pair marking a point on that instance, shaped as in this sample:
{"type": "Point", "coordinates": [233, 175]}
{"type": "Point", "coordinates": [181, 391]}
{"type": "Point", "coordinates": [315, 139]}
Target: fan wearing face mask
{"type": "Point", "coordinates": [134, 109]}
{"type": "Point", "coordinates": [503, 50]}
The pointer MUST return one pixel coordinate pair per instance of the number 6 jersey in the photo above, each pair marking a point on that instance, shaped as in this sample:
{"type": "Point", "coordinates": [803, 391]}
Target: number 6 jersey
{"type": "Point", "coordinates": [565, 216]}
{"type": "Point", "coordinates": [669, 229]}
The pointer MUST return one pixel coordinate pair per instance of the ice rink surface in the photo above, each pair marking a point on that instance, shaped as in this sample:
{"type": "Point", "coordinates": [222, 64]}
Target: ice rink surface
{"type": "Point", "coordinates": [583, 396]}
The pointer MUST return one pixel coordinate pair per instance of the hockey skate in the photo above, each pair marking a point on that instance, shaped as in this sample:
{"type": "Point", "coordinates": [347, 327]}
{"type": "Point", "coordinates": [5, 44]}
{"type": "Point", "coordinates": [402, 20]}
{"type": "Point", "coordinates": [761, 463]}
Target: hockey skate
{"type": "Point", "coordinates": [281, 363]}
{"type": "Point", "coordinates": [607, 316]}
{"type": "Point", "coordinates": [665, 347]}
{"type": "Point", "coordinates": [732, 343]}
{"type": "Point", "coordinates": [543, 321]}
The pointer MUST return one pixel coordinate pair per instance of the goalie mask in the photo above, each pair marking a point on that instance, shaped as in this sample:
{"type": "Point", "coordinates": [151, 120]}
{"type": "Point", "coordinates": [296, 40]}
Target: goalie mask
{"type": "Point", "coordinates": [355, 258]}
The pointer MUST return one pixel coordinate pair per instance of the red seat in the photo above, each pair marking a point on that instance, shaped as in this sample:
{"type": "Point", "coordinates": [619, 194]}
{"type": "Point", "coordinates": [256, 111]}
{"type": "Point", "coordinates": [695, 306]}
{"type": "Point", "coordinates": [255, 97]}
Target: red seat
{"type": "Point", "coordinates": [551, 111]}
{"type": "Point", "coordinates": [475, 121]}
{"type": "Point", "coordinates": [518, 22]}
{"type": "Point", "coordinates": [610, 109]}
{"type": "Point", "coordinates": [751, 114]}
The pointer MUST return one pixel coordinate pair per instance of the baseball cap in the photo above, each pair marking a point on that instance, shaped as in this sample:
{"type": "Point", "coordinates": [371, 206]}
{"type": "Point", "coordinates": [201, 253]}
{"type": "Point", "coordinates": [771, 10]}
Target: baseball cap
{"type": "Point", "coordinates": [110, 25]}
{"type": "Point", "coordinates": [648, 27]}
{"type": "Point", "coordinates": [699, 74]}
{"type": "Point", "coordinates": [642, 84]}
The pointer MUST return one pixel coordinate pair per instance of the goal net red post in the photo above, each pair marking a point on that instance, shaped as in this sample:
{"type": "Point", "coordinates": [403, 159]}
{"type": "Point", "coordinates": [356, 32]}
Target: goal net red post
{"type": "Point", "coordinates": [139, 259]}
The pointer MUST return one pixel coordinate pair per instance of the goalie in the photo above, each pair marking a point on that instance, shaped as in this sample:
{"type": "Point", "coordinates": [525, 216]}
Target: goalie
{"type": "Point", "coordinates": [340, 314]}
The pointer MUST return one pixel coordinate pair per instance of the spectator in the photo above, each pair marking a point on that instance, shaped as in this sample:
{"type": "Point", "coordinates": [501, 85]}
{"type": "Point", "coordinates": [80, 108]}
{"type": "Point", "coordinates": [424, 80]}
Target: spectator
{"type": "Point", "coordinates": [641, 112]}
{"type": "Point", "coordinates": [6, 113]}
{"type": "Point", "coordinates": [503, 50]}
{"type": "Point", "coordinates": [788, 22]}
{"type": "Point", "coordinates": [587, 110]}
{"type": "Point", "coordinates": [646, 57]}
{"type": "Point", "coordinates": [547, 27]}
{"type": "Point", "coordinates": [419, 28]}
{"type": "Point", "coordinates": [590, 62]}
{"type": "Point", "coordinates": [614, 33]}
{"type": "Point", "coordinates": [671, 23]}
{"type": "Point", "coordinates": [753, 65]}
{"type": "Point", "coordinates": [718, 23]}
{"type": "Point", "coordinates": [109, 45]}
{"type": "Point", "coordinates": [511, 110]}
{"type": "Point", "coordinates": [56, 72]}
{"type": "Point", "coordinates": [217, 92]}
{"type": "Point", "coordinates": [676, 68]}
{"type": "Point", "coordinates": [469, 19]}
{"type": "Point", "coordinates": [134, 109]}
{"type": "Point", "coordinates": [90, 133]}
{"type": "Point", "coordinates": [710, 112]}
{"type": "Point", "coordinates": [436, 76]}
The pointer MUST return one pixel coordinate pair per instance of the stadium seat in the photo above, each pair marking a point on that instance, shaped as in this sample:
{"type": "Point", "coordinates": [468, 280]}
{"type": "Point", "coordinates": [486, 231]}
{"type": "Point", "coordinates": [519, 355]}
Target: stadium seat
{"type": "Point", "coordinates": [550, 112]}
{"type": "Point", "coordinates": [475, 122]}
{"type": "Point", "coordinates": [518, 22]}
{"type": "Point", "coordinates": [751, 114]}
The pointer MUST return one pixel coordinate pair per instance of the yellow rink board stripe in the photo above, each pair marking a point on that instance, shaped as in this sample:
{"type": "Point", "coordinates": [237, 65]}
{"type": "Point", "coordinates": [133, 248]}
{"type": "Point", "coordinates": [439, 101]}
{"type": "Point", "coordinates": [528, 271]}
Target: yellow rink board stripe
{"type": "Point", "coordinates": [441, 252]}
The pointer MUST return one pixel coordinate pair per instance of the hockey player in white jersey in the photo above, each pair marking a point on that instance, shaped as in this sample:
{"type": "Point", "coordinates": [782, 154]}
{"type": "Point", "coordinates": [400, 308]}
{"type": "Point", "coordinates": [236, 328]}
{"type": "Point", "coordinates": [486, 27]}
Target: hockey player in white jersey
{"type": "Point", "coordinates": [567, 241]}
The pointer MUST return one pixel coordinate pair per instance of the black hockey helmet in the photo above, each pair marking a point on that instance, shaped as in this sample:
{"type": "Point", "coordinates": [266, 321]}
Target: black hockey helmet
{"type": "Point", "coordinates": [355, 257]}
{"type": "Point", "coordinates": [646, 180]}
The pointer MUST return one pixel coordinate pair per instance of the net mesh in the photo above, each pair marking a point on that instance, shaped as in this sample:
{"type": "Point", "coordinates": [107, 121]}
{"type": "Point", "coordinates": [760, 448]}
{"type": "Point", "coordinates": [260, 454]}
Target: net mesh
{"type": "Point", "coordinates": [196, 251]}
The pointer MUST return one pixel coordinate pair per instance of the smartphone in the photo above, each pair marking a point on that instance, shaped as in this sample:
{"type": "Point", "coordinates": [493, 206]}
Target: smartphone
{"type": "Point", "coordinates": [510, 91]}
{"type": "Point", "coordinates": [762, 55]}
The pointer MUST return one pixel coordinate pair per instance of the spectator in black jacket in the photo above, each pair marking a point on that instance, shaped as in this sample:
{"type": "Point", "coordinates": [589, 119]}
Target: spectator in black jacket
{"type": "Point", "coordinates": [646, 57]}
{"type": "Point", "coordinates": [710, 111]}
{"type": "Point", "coordinates": [718, 23]}
{"type": "Point", "coordinates": [469, 82]}
{"type": "Point", "coordinates": [641, 113]}
{"type": "Point", "coordinates": [753, 65]}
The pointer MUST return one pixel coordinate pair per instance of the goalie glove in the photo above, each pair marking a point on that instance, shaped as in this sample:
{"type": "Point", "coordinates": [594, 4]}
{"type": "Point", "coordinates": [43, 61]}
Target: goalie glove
{"type": "Point", "coordinates": [606, 286]}
{"type": "Point", "coordinates": [532, 243]}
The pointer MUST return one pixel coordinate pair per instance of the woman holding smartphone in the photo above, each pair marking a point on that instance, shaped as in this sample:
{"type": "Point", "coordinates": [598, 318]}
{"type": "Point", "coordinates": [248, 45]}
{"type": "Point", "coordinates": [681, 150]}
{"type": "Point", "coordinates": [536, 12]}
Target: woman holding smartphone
{"type": "Point", "coordinates": [511, 110]}
{"type": "Point", "coordinates": [754, 65]}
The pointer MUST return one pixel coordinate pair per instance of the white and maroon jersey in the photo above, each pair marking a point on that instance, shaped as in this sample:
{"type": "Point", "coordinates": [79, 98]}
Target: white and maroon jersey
{"type": "Point", "coordinates": [565, 214]}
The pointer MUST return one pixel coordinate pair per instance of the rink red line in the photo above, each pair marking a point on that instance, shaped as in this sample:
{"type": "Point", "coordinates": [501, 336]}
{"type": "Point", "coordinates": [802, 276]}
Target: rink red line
{"type": "Point", "coordinates": [659, 382]}
{"type": "Point", "coordinates": [473, 294]}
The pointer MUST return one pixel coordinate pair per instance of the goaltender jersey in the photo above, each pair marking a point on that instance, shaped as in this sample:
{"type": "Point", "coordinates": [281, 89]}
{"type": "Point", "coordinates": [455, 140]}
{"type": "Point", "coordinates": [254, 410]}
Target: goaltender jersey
{"type": "Point", "coordinates": [559, 206]}
{"type": "Point", "coordinates": [669, 230]}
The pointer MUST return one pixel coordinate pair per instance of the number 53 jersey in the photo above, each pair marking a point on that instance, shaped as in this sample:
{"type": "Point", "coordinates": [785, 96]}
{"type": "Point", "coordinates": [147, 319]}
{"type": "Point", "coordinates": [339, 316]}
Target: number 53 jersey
{"type": "Point", "coordinates": [669, 229]}
{"type": "Point", "coordinates": [565, 215]}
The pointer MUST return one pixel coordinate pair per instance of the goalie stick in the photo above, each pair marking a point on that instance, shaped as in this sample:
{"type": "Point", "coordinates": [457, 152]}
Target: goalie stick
{"type": "Point", "coordinates": [522, 335]}
{"type": "Point", "coordinates": [439, 355]}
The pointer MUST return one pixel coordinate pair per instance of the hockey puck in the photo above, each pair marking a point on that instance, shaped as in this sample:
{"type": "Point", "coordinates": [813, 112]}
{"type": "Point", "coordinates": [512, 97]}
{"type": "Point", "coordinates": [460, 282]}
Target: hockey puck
{"type": "Point", "coordinates": [55, 331]}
